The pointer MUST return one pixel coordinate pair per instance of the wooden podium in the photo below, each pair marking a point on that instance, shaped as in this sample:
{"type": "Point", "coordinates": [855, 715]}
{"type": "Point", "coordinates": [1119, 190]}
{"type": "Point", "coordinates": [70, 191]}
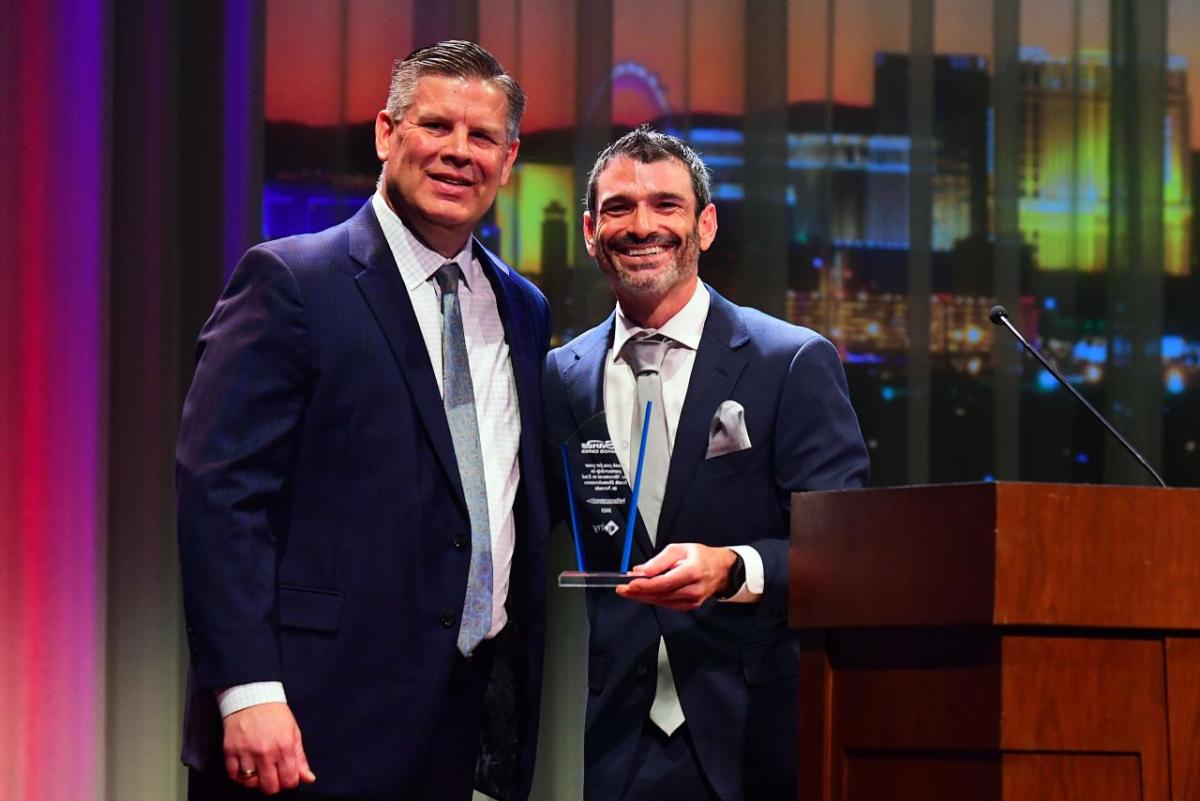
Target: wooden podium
{"type": "Point", "coordinates": [998, 642]}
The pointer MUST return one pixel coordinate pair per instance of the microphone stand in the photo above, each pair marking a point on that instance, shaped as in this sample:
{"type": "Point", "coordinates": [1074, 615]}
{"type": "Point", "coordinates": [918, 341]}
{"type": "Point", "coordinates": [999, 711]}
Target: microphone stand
{"type": "Point", "coordinates": [999, 316]}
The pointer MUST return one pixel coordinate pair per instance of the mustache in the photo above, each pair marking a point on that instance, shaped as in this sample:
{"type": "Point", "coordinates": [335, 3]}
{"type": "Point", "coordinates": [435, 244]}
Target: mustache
{"type": "Point", "coordinates": [626, 241]}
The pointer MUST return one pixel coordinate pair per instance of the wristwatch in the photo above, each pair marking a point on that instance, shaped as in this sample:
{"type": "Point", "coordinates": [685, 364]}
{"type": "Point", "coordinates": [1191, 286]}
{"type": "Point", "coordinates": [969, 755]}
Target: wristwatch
{"type": "Point", "coordinates": [737, 577]}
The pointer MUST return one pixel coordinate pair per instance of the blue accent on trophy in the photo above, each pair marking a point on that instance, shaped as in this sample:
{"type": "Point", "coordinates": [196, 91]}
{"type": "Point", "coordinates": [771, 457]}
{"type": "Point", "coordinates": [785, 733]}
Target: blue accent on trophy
{"type": "Point", "coordinates": [600, 505]}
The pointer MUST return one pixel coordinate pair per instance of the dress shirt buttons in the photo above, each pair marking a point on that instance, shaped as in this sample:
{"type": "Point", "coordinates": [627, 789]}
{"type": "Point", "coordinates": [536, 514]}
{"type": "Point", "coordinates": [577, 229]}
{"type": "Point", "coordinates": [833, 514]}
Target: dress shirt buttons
{"type": "Point", "coordinates": [447, 618]}
{"type": "Point", "coordinates": [641, 670]}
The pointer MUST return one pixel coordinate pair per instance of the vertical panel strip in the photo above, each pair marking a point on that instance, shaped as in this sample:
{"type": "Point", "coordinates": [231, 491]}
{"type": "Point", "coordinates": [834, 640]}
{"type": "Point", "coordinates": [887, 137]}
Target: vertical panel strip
{"type": "Point", "coordinates": [143, 649]}
{"type": "Point", "coordinates": [1134, 378]}
{"type": "Point", "coordinates": [244, 34]}
{"type": "Point", "coordinates": [763, 271]}
{"type": "Point", "coordinates": [593, 130]}
{"type": "Point", "coordinates": [920, 235]}
{"type": "Point", "coordinates": [51, 405]}
{"type": "Point", "coordinates": [1006, 140]}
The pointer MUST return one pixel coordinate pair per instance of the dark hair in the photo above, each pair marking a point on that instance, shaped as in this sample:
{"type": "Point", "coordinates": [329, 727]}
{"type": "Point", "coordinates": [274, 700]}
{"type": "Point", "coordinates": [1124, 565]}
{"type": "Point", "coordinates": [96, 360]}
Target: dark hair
{"type": "Point", "coordinates": [457, 59]}
{"type": "Point", "coordinates": [647, 145]}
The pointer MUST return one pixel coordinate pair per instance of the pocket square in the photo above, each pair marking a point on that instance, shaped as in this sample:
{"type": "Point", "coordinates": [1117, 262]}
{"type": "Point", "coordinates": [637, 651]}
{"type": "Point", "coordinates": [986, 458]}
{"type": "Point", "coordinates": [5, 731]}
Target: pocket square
{"type": "Point", "coordinates": [727, 431]}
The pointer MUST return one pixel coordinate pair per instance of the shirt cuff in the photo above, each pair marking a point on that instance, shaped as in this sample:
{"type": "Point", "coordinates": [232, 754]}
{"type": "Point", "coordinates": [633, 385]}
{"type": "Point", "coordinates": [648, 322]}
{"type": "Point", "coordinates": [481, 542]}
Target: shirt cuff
{"type": "Point", "coordinates": [240, 696]}
{"type": "Point", "coordinates": [752, 590]}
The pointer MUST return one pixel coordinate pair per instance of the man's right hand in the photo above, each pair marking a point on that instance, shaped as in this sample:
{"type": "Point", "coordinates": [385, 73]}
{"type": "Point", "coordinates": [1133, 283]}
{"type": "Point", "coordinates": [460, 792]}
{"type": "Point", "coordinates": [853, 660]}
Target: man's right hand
{"type": "Point", "coordinates": [263, 741]}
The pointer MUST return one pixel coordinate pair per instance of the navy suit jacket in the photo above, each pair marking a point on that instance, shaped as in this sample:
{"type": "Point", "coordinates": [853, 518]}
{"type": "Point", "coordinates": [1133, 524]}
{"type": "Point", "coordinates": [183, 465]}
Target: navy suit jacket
{"type": "Point", "coordinates": [734, 665]}
{"type": "Point", "coordinates": [324, 535]}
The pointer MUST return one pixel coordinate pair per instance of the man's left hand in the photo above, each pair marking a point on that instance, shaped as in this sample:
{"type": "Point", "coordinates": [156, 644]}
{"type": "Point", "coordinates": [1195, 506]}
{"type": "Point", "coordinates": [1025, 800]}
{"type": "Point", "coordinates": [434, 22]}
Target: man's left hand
{"type": "Point", "coordinates": [682, 577]}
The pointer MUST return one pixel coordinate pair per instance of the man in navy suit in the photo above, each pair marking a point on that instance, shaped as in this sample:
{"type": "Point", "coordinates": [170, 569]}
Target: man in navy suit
{"type": "Point", "coordinates": [692, 670]}
{"type": "Point", "coordinates": [361, 496]}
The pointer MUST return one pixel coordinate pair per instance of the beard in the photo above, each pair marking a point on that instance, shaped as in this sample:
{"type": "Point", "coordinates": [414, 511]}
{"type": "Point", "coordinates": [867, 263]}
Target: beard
{"type": "Point", "coordinates": [683, 265]}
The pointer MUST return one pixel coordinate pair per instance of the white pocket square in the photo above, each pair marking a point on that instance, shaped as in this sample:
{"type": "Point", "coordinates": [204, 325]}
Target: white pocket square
{"type": "Point", "coordinates": [727, 431]}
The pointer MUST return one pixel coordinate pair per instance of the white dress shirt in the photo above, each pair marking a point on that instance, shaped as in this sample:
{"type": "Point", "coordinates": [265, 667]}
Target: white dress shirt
{"type": "Point", "coordinates": [496, 407]}
{"type": "Point", "coordinates": [620, 395]}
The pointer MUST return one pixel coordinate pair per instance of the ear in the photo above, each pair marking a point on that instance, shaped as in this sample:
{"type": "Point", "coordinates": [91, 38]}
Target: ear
{"type": "Point", "coordinates": [589, 233]}
{"type": "Point", "coordinates": [706, 226]}
{"type": "Point", "coordinates": [509, 158]}
{"type": "Point", "coordinates": [385, 129]}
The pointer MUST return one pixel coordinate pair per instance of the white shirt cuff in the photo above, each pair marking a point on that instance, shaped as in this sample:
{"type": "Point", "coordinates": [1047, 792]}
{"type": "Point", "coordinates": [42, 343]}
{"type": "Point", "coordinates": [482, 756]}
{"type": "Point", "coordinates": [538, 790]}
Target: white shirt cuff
{"type": "Point", "coordinates": [752, 590]}
{"type": "Point", "coordinates": [240, 696]}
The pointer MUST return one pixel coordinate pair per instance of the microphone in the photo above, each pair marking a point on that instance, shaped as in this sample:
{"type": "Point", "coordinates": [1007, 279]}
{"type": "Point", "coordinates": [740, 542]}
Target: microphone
{"type": "Point", "coordinates": [999, 316]}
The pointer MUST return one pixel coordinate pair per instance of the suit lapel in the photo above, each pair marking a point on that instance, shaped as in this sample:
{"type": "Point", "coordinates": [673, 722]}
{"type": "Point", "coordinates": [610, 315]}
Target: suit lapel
{"type": "Point", "coordinates": [386, 295]}
{"type": "Point", "coordinates": [585, 375]}
{"type": "Point", "coordinates": [714, 374]}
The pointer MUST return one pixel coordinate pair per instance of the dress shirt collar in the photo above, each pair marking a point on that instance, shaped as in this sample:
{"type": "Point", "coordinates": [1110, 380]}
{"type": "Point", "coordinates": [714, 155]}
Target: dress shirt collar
{"type": "Point", "coordinates": [685, 327]}
{"type": "Point", "coordinates": [417, 262]}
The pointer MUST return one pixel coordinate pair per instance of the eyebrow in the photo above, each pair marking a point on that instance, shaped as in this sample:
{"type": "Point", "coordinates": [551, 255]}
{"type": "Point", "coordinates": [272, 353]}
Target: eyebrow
{"type": "Point", "coordinates": [657, 196]}
{"type": "Point", "coordinates": [430, 115]}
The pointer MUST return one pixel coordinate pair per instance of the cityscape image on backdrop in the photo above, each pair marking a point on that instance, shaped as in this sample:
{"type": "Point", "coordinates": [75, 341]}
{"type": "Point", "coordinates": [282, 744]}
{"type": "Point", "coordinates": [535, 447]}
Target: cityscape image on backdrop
{"type": "Point", "coordinates": [849, 166]}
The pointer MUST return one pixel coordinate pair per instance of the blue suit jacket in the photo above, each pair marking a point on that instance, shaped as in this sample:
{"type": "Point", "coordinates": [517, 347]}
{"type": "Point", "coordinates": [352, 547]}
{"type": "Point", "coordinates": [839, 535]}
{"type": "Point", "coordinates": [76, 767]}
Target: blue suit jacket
{"type": "Point", "coordinates": [734, 665]}
{"type": "Point", "coordinates": [322, 520]}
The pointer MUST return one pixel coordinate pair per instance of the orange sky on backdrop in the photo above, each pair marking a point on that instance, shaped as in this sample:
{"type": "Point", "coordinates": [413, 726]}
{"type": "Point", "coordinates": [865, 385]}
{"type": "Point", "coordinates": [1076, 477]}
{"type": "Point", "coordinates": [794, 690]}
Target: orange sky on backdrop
{"type": "Point", "coordinates": [303, 56]}
{"type": "Point", "coordinates": [303, 62]}
{"type": "Point", "coordinates": [640, 34]}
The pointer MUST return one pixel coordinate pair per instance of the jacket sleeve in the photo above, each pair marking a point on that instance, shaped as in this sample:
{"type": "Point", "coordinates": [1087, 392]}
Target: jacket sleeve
{"type": "Point", "coordinates": [818, 446]}
{"type": "Point", "coordinates": [240, 419]}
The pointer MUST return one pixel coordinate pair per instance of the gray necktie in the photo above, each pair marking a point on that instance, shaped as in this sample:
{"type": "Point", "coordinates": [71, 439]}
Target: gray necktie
{"type": "Point", "coordinates": [645, 355]}
{"type": "Point", "coordinates": [459, 400]}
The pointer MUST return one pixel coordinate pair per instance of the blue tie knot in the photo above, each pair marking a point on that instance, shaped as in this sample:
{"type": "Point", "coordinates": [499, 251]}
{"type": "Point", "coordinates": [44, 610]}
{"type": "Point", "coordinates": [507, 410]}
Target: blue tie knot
{"type": "Point", "coordinates": [447, 277]}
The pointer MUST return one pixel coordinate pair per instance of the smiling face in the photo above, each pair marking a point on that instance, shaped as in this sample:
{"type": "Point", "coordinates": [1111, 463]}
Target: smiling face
{"type": "Point", "coordinates": [646, 236]}
{"type": "Point", "coordinates": [445, 158]}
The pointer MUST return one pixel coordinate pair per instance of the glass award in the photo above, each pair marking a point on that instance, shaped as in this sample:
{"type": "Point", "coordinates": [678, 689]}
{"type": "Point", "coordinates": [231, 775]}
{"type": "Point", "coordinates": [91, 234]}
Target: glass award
{"type": "Point", "coordinates": [602, 506]}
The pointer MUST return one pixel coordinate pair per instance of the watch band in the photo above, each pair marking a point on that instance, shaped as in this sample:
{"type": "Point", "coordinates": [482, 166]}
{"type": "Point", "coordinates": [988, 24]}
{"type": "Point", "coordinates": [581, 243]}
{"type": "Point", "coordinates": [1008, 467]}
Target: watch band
{"type": "Point", "coordinates": [737, 577]}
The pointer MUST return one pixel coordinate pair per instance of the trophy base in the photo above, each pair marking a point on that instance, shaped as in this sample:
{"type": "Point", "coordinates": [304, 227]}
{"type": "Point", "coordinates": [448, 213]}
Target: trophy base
{"type": "Point", "coordinates": [574, 578]}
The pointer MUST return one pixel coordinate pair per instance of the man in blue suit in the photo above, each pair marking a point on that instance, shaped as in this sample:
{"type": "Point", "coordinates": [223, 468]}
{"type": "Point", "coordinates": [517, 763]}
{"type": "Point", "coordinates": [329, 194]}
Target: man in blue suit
{"type": "Point", "coordinates": [361, 496]}
{"type": "Point", "coordinates": [692, 670]}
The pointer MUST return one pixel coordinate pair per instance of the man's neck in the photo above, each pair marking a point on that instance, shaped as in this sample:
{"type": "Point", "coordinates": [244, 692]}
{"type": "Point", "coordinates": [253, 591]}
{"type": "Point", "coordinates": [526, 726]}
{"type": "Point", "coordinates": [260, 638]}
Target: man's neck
{"type": "Point", "coordinates": [655, 312]}
{"type": "Point", "coordinates": [444, 242]}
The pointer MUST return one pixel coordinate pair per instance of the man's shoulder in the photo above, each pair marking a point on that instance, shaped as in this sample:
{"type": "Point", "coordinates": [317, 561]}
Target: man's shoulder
{"type": "Point", "coordinates": [310, 251]}
{"type": "Point", "coordinates": [767, 333]}
{"type": "Point", "coordinates": [303, 263]}
{"type": "Point", "coordinates": [772, 331]}
{"type": "Point", "coordinates": [581, 345]}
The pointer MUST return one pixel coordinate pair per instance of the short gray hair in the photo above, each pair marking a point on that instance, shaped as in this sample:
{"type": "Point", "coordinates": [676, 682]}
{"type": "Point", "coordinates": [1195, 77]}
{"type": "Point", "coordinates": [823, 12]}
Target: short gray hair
{"type": "Point", "coordinates": [647, 145]}
{"type": "Point", "coordinates": [454, 58]}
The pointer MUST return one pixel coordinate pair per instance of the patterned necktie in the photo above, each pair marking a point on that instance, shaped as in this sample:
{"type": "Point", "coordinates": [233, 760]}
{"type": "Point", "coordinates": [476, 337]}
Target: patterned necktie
{"type": "Point", "coordinates": [459, 399]}
{"type": "Point", "coordinates": [645, 355]}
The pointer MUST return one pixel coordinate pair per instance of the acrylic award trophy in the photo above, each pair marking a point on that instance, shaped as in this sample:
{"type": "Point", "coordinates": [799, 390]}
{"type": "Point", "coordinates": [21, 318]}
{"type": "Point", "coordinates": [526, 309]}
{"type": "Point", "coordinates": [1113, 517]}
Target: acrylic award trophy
{"type": "Point", "coordinates": [602, 507]}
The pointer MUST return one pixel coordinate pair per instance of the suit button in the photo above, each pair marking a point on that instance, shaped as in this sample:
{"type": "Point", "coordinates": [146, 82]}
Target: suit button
{"type": "Point", "coordinates": [460, 541]}
{"type": "Point", "coordinates": [447, 619]}
{"type": "Point", "coordinates": [641, 670]}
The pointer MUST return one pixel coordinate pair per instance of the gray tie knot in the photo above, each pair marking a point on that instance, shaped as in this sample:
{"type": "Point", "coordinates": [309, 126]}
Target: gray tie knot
{"type": "Point", "coordinates": [447, 277]}
{"type": "Point", "coordinates": [645, 354]}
